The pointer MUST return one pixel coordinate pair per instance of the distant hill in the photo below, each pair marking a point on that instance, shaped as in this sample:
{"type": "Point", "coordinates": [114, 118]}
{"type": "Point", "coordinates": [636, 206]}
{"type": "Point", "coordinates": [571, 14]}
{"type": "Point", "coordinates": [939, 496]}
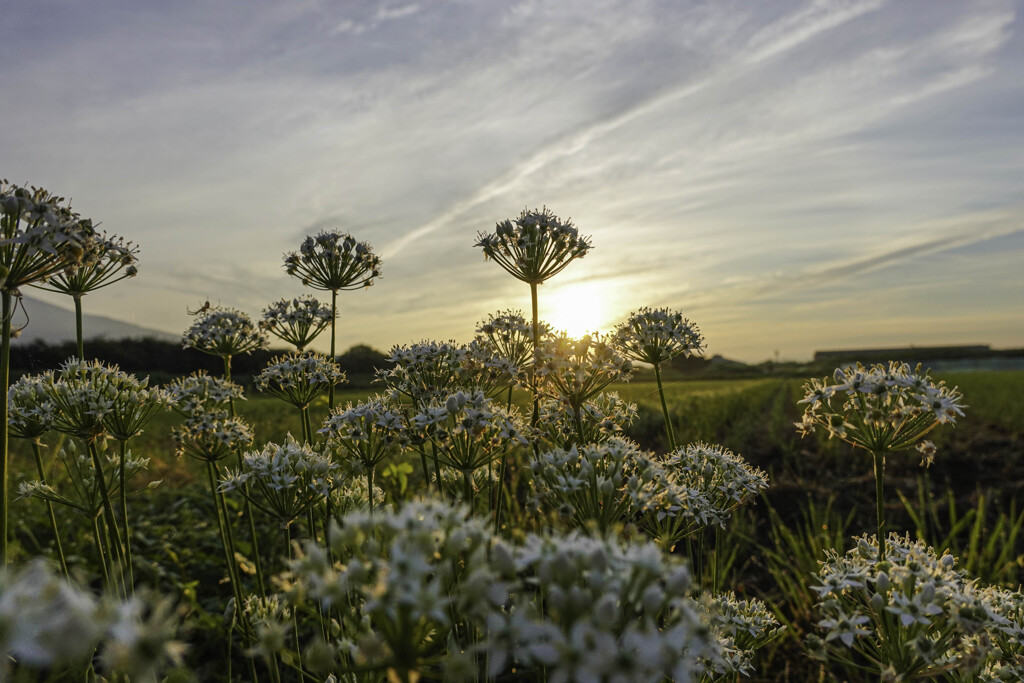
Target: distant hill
{"type": "Point", "coordinates": [54, 325]}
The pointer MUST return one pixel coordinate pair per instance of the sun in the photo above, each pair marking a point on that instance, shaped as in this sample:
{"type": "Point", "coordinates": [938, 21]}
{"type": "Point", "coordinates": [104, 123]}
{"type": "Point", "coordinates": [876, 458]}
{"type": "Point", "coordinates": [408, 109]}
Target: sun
{"type": "Point", "coordinates": [577, 309]}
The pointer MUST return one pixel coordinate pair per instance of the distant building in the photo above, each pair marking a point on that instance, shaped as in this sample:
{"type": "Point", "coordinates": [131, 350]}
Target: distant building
{"type": "Point", "coordinates": [909, 354]}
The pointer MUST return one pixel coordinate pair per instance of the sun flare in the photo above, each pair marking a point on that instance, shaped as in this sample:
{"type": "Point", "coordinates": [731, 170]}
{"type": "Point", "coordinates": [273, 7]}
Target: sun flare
{"type": "Point", "coordinates": [576, 309]}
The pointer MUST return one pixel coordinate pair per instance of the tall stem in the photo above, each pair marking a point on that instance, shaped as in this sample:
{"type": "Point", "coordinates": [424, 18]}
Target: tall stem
{"type": "Point", "coordinates": [879, 457]}
{"type": "Point", "coordinates": [116, 544]}
{"type": "Point", "coordinates": [664, 408]}
{"type": "Point", "coordinates": [369, 487]}
{"type": "Point", "coordinates": [124, 516]}
{"type": "Point", "coordinates": [334, 358]}
{"type": "Point", "coordinates": [5, 366]}
{"type": "Point", "coordinates": [536, 349]}
{"type": "Point", "coordinates": [78, 326]}
{"type": "Point", "coordinates": [49, 508]}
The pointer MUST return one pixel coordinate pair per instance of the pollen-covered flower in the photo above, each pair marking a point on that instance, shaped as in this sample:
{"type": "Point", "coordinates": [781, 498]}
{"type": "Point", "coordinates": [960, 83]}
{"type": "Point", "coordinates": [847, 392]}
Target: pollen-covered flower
{"type": "Point", "coordinates": [283, 481]}
{"type": "Point", "coordinates": [509, 336]}
{"type": "Point", "coordinates": [882, 408]}
{"type": "Point", "coordinates": [86, 394]}
{"type": "Point", "coordinates": [333, 261]}
{"type": "Point", "coordinates": [297, 321]}
{"type": "Point", "coordinates": [298, 379]}
{"type": "Point", "coordinates": [657, 335]}
{"type": "Point", "coordinates": [223, 332]}
{"type": "Point", "coordinates": [535, 246]}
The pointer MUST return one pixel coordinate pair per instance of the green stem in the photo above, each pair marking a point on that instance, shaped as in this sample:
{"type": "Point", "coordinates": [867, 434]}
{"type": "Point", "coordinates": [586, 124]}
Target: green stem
{"type": "Point", "coordinates": [78, 326]}
{"type": "Point", "coordinates": [108, 511]}
{"type": "Point", "coordinates": [99, 549]}
{"type": "Point", "coordinates": [227, 378]}
{"type": "Point", "coordinates": [879, 457]}
{"type": "Point", "coordinates": [49, 507]}
{"type": "Point", "coordinates": [664, 408]}
{"type": "Point", "coordinates": [306, 429]}
{"type": "Point", "coordinates": [222, 523]}
{"type": "Point", "coordinates": [467, 488]}
{"type": "Point", "coordinates": [334, 358]}
{"type": "Point", "coordinates": [369, 487]}
{"type": "Point", "coordinates": [124, 516]}
{"type": "Point", "coordinates": [536, 348]}
{"type": "Point", "coordinates": [5, 366]}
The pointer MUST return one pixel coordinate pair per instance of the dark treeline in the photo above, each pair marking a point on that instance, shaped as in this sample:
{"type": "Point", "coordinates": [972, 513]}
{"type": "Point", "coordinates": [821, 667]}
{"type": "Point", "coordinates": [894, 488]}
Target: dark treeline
{"type": "Point", "coordinates": [163, 360]}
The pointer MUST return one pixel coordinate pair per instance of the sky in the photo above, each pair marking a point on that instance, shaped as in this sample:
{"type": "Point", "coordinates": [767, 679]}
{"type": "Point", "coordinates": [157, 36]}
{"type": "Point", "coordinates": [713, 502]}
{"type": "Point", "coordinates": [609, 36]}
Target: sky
{"type": "Point", "coordinates": [792, 176]}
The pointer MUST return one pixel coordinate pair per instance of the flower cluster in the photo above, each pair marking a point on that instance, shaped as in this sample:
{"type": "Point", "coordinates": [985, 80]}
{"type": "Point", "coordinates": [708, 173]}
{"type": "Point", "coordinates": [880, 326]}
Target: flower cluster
{"type": "Point", "coordinates": [30, 410]}
{"type": "Point", "coordinates": [535, 246]}
{"type": "Point", "coordinates": [297, 321]}
{"type": "Point", "coordinates": [602, 418]}
{"type": "Point", "coordinates": [298, 379]}
{"type": "Point", "coordinates": [202, 393]}
{"type": "Point", "coordinates": [424, 372]}
{"type": "Point", "coordinates": [716, 482]}
{"type": "Point", "coordinates": [39, 235]}
{"type": "Point", "coordinates": [283, 481]}
{"type": "Point", "coordinates": [367, 432]}
{"type": "Point", "coordinates": [882, 408]}
{"type": "Point", "coordinates": [333, 261]}
{"type": "Point", "coordinates": [92, 398]}
{"type": "Point", "coordinates": [509, 336]}
{"type": "Point", "coordinates": [600, 485]}
{"type": "Point", "coordinates": [211, 436]}
{"type": "Point", "coordinates": [105, 260]}
{"type": "Point", "coordinates": [81, 489]}
{"type": "Point", "coordinates": [417, 567]}
{"type": "Point", "coordinates": [913, 614]}
{"type": "Point", "coordinates": [223, 332]}
{"type": "Point", "coordinates": [468, 430]}
{"type": "Point", "coordinates": [657, 335]}
{"type": "Point", "coordinates": [743, 626]}
{"type": "Point", "coordinates": [575, 370]}
{"type": "Point", "coordinates": [49, 626]}
{"type": "Point", "coordinates": [588, 609]}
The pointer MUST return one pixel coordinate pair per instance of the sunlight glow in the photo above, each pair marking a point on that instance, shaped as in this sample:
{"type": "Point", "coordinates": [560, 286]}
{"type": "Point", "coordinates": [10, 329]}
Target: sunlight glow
{"type": "Point", "coordinates": [578, 308]}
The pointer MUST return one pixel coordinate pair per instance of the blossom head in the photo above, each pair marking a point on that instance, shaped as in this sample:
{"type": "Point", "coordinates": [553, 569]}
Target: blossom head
{"type": "Point", "coordinates": [223, 332]}
{"type": "Point", "coordinates": [297, 321]}
{"type": "Point", "coordinates": [333, 261]}
{"type": "Point", "coordinates": [105, 260]}
{"type": "Point", "coordinates": [211, 435]}
{"type": "Point", "coordinates": [881, 408]}
{"type": "Point", "coordinates": [39, 235]}
{"type": "Point", "coordinates": [657, 335]}
{"type": "Point", "coordinates": [202, 393]}
{"type": "Point", "coordinates": [31, 410]}
{"type": "Point", "coordinates": [535, 246]}
{"type": "Point", "coordinates": [366, 432]}
{"type": "Point", "coordinates": [468, 430]}
{"type": "Point", "coordinates": [575, 370]}
{"type": "Point", "coordinates": [298, 379]}
{"type": "Point", "coordinates": [425, 372]}
{"type": "Point", "coordinates": [603, 417]}
{"type": "Point", "coordinates": [288, 479]}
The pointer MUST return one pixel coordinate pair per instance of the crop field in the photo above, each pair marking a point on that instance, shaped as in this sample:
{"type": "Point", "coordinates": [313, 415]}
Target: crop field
{"type": "Point", "coordinates": [511, 509]}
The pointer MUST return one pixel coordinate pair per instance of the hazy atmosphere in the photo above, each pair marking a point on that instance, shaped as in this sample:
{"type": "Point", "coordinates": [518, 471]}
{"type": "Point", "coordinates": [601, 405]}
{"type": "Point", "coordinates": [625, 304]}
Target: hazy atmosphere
{"type": "Point", "coordinates": [792, 176]}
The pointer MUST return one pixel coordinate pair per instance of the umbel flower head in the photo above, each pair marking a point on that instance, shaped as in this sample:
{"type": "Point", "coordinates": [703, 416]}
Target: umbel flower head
{"type": "Point", "coordinates": [31, 411]}
{"type": "Point", "coordinates": [92, 398]}
{"type": "Point", "coordinates": [657, 335]}
{"type": "Point", "coordinates": [202, 393]}
{"type": "Point", "coordinates": [575, 370]}
{"type": "Point", "coordinates": [367, 432]}
{"type": "Point", "coordinates": [535, 246]}
{"type": "Point", "coordinates": [223, 332]}
{"type": "Point", "coordinates": [297, 321]}
{"type": "Point", "coordinates": [299, 379]}
{"type": "Point", "coordinates": [508, 335]}
{"type": "Point", "coordinates": [602, 418]}
{"type": "Point", "coordinates": [39, 235]}
{"type": "Point", "coordinates": [333, 261]}
{"type": "Point", "coordinates": [105, 260]}
{"type": "Point", "coordinates": [882, 408]}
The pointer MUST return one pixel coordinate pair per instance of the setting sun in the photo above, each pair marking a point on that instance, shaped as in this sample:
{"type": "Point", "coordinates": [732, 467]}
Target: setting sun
{"type": "Point", "coordinates": [577, 309]}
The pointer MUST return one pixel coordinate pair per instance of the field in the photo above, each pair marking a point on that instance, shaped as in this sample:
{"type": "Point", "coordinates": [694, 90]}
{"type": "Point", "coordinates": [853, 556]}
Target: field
{"type": "Point", "coordinates": [820, 495]}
